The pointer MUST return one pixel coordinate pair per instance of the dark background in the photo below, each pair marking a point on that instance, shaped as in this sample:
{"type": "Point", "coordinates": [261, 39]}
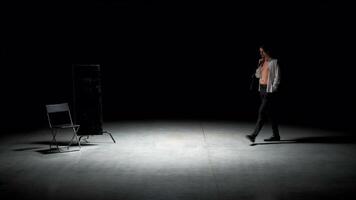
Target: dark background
{"type": "Point", "coordinates": [179, 60]}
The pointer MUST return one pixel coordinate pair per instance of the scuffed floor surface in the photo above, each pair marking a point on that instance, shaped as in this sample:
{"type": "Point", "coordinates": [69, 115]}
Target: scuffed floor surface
{"type": "Point", "coordinates": [173, 160]}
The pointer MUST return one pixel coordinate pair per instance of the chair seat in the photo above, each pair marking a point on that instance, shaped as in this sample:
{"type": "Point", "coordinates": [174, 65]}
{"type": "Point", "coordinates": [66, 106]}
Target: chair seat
{"type": "Point", "coordinates": [66, 126]}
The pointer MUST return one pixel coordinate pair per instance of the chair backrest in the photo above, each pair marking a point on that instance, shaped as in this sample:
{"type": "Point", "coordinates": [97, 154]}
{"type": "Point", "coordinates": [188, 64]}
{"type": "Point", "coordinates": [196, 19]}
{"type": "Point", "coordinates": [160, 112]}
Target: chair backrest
{"type": "Point", "coordinates": [57, 108]}
{"type": "Point", "coordinates": [53, 108]}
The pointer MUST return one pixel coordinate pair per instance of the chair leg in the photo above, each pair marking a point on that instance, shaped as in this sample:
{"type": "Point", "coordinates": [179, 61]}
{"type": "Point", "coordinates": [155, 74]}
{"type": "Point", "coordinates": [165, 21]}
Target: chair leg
{"type": "Point", "coordinates": [56, 141]}
{"type": "Point", "coordinates": [50, 143]}
{"type": "Point", "coordinates": [71, 141]}
{"type": "Point", "coordinates": [74, 136]}
{"type": "Point", "coordinates": [78, 141]}
{"type": "Point", "coordinates": [110, 136]}
{"type": "Point", "coordinates": [54, 134]}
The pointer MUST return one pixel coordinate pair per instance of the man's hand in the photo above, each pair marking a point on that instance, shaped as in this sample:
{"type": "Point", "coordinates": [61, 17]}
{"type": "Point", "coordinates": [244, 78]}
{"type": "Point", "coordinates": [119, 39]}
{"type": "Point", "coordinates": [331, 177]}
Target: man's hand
{"type": "Point", "coordinates": [260, 61]}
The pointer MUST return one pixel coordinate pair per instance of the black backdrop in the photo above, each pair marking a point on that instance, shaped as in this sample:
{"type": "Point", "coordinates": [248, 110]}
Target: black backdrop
{"type": "Point", "coordinates": [171, 60]}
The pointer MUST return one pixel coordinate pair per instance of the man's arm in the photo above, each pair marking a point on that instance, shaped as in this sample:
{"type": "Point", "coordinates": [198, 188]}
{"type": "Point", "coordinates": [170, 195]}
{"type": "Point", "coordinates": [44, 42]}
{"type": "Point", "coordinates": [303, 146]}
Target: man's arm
{"type": "Point", "coordinates": [258, 72]}
{"type": "Point", "coordinates": [277, 77]}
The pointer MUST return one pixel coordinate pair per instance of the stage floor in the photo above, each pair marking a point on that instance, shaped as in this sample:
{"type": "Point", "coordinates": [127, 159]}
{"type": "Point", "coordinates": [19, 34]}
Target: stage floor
{"type": "Point", "coordinates": [164, 160]}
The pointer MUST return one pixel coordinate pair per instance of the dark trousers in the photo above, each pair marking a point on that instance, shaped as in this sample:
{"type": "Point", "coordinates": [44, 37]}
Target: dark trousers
{"type": "Point", "coordinates": [267, 111]}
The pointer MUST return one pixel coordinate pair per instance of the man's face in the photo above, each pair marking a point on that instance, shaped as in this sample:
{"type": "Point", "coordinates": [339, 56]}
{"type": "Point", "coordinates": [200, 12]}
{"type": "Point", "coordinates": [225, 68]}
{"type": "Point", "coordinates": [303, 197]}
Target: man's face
{"type": "Point", "coordinates": [262, 53]}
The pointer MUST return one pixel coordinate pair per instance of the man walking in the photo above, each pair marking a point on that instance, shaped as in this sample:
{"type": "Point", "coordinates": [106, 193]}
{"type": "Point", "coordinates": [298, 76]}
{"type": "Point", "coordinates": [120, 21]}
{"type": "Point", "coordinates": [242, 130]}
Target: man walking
{"type": "Point", "coordinates": [268, 73]}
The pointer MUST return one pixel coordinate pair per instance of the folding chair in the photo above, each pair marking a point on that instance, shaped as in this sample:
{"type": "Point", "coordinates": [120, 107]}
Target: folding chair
{"type": "Point", "coordinates": [55, 124]}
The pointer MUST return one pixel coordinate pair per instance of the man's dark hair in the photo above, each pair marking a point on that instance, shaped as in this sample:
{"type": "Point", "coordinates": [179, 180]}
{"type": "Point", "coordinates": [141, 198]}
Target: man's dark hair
{"type": "Point", "coordinates": [268, 49]}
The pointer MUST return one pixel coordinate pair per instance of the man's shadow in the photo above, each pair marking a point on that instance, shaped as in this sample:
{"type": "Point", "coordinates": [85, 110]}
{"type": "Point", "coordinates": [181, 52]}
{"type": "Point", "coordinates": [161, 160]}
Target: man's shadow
{"type": "Point", "coordinates": [315, 139]}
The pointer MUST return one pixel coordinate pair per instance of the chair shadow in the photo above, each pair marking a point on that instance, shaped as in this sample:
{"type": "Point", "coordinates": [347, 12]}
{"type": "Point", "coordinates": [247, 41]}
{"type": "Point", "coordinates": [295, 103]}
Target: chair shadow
{"type": "Point", "coordinates": [26, 149]}
{"type": "Point", "coordinates": [316, 139]}
{"type": "Point", "coordinates": [61, 144]}
{"type": "Point", "coordinates": [55, 151]}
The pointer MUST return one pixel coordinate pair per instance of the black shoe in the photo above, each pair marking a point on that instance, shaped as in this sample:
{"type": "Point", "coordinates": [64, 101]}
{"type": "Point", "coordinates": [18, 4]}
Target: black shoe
{"type": "Point", "coordinates": [251, 138]}
{"type": "Point", "coordinates": [273, 138]}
